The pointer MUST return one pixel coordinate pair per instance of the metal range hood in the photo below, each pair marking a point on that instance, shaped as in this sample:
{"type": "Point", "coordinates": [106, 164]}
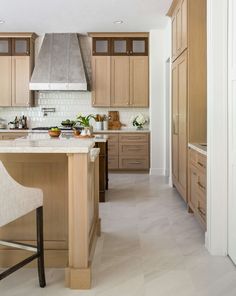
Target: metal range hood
{"type": "Point", "coordinates": [60, 65]}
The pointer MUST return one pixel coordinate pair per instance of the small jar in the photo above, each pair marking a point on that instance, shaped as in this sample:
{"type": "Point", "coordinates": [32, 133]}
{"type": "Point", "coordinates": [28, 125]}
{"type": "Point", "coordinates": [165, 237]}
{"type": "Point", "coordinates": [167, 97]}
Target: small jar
{"type": "Point", "coordinates": [99, 125]}
{"type": "Point", "coordinates": [105, 125]}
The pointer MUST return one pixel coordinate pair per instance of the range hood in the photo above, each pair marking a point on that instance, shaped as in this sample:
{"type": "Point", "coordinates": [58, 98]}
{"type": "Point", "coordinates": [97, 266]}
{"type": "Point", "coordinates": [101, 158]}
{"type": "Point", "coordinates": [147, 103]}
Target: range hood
{"type": "Point", "coordinates": [60, 64]}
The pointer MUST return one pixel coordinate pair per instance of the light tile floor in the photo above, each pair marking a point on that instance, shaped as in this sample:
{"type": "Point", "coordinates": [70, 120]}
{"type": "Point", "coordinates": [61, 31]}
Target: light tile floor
{"type": "Point", "coordinates": [150, 246]}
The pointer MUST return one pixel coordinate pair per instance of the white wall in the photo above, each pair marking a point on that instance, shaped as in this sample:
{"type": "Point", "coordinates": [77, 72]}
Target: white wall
{"type": "Point", "coordinates": [232, 132]}
{"type": "Point", "coordinates": [217, 126]}
{"type": "Point", "coordinates": [159, 53]}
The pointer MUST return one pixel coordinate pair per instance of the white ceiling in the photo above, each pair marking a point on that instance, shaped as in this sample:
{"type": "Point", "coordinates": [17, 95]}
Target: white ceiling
{"type": "Point", "coordinates": [82, 16]}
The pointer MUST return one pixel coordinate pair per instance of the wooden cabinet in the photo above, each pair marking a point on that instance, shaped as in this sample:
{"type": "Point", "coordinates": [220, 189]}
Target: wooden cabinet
{"type": "Point", "coordinates": [5, 81]}
{"type": "Point", "coordinates": [128, 151]}
{"type": "Point", "coordinates": [197, 185]}
{"type": "Point", "coordinates": [120, 81]}
{"type": "Point", "coordinates": [179, 119]}
{"type": "Point", "coordinates": [101, 46]}
{"type": "Point", "coordinates": [179, 29]}
{"type": "Point", "coordinates": [139, 88]}
{"type": "Point", "coordinates": [101, 77]}
{"type": "Point", "coordinates": [189, 96]}
{"type": "Point", "coordinates": [103, 170]}
{"type": "Point", "coordinates": [120, 76]}
{"type": "Point", "coordinates": [16, 65]}
{"type": "Point", "coordinates": [21, 72]}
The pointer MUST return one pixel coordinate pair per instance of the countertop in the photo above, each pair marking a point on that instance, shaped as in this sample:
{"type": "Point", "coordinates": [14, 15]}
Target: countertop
{"type": "Point", "coordinates": [43, 143]}
{"type": "Point", "coordinates": [124, 130]}
{"type": "Point", "coordinates": [201, 148]}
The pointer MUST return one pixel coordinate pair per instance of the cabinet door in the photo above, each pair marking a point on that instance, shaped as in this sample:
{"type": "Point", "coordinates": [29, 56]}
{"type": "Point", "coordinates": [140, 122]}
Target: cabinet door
{"type": "Point", "coordinates": [178, 30]}
{"type": "Point", "coordinates": [119, 46]}
{"type": "Point", "coordinates": [5, 46]}
{"type": "Point", "coordinates": [5, 80]}
{"type": "Point", "coordinates": [101, 88]}
{"type": "Point", "coordinates": [182, 119]}
{"type": "Point", "coordinates": [138, 46]}
{"type": "Point", "coordinates": [101, 46]}
{"type": "Point", "coordinates": [139, 81]}
{"type": "Point", "coordinates": [174, 38]}
{"type": "Point", "coordinates": [120, 95]}
{"type": "Point", "coordinates": [20, 46]}
{"type": "Point", "coordinates": [184, 25]}
{"type": "Point", "coordinates": [21, 94]}
{"type": "Point", "coordinates": [175, 123]}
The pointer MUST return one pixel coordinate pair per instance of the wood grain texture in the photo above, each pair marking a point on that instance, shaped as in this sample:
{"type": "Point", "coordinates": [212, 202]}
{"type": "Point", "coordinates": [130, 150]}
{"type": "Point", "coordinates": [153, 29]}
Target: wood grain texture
{"type": "Point", "coordinates": [5, 81]}
{"type": "Point", "coordinates": [101, 81]}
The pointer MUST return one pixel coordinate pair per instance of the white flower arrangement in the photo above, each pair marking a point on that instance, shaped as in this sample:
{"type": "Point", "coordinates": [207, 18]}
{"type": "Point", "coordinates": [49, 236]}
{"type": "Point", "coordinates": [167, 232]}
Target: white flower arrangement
{"type": "Point", "coordinates": [139, 120]}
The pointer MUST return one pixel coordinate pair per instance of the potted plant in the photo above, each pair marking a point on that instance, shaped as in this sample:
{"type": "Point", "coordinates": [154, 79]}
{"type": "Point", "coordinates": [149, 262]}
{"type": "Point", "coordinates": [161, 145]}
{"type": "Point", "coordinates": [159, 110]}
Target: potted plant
{"type": "Point", "coordinates": [139, 121]}
{"type": "Point", "coordinates": [84, 121]}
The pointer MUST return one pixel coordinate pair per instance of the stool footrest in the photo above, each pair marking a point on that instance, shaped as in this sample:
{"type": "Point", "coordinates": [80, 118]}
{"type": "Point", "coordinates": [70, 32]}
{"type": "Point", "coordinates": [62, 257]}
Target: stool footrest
{"type": "Point", "coordinates": [18, 266]}
{"type": "Point", "coordinates": [18, 245]}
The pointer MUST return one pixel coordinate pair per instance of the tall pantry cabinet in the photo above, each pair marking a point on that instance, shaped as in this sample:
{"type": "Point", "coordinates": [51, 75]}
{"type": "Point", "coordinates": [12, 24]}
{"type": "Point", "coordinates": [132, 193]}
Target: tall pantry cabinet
{"type": "Point", "coordinates": [188, 84]}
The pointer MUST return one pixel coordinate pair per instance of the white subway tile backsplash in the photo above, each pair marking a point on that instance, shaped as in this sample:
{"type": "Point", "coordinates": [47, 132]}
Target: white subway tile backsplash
{"type": "Point", "coordinates": [68, 105]}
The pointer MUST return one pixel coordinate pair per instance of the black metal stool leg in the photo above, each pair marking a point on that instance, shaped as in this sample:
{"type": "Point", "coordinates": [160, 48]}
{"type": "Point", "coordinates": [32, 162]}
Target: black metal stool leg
{"type": "Point", "coordinates": [41, 270]}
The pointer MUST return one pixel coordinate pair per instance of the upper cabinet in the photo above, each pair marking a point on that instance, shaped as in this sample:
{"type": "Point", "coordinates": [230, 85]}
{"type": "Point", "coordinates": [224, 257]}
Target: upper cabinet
{"type": "Point", "coordinates": [120, 70]}
{"type": "Point", "coordinates": [179, 28]}
{"type": "Point", "coordinates": [16, 61]}
{"type": "Point", "coordinates": [112, 46]}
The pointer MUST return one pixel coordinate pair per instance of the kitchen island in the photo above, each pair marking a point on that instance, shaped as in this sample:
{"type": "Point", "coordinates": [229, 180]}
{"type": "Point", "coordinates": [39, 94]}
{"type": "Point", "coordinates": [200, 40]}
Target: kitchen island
{"type": "Point", "coordinates": [67, 170]}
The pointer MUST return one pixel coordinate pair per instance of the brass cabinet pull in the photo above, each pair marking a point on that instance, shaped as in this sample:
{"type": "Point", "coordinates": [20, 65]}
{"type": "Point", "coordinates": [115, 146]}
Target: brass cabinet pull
{"type": "Point", "coordinates": [201, 164]}
{"type": "Point", "coordinates": [200, 185]}
{"type": "Point", "coordinates": [201, 211]}
{"type": "Point", "coordinates": [135, 162]}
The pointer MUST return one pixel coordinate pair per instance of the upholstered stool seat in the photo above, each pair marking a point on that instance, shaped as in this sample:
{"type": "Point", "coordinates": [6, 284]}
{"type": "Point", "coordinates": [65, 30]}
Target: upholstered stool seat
{"type": "Point", "coordinates": [16, 201]}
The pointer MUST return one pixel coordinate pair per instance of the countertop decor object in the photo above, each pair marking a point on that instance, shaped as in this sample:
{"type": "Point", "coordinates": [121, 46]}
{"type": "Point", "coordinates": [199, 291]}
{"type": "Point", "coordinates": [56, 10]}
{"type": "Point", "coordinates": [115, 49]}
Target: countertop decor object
{"type": "Point", "coordinates": [139, 120]}
{"type": "Point", "coordinates": [114, 120]}
{"type": "Point", "coordinates": [54, 132]}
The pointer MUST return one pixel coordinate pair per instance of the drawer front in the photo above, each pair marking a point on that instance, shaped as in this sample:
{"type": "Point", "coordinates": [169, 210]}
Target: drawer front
{"type": "Point", "coordinates": [113, 138]}
{"type": "Point", "coordinates": [130, 149]}
{"type": "Point", "coordinates": [133, 137]}
{"type": "Point", "coordinates": [201, 161]}
{"type": "Point", "coordinates": [113, 162]}
{"type": "Point", "coordinates": [201, 208]}
{"type": "Point", "coordinates": [133, 163]}
{"type": "Point", "coordinates": [113, 148]}
{"type": "Point", "coordinates": [12, 136]}
{"type": "Point", "coordinates": [202, 182]}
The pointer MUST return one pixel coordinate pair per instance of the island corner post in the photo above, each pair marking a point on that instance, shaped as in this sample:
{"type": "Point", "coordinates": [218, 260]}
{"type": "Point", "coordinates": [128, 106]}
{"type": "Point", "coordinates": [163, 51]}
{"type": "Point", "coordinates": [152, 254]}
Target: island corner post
{"type": "Point", "coordinates": [70, 182]}
{"type": "Point", "coordinates": [83, 225]}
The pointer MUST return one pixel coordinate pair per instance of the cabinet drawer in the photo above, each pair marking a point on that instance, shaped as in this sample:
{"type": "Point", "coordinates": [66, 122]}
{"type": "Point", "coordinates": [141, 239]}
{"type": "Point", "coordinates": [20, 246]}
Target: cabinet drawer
{"type": "Point", "coordinates": [201, 183]}
{"type": "Point", "coordinates": [133, 137]}
{"type": "Point", "coordinates": [133, 163]}
{"type": "Point", "coordinates": [113, 162]}
{"type": "Point", "coordinates": [113, 148]}
{"type": "Point", "coordinates": [112, 138]}
{"type": "Point", "coordinates": [198, 159]}
{"type": "Point", "coordinates": [201, 207]}
{"type": "Point", "coordinates": [130, 149]}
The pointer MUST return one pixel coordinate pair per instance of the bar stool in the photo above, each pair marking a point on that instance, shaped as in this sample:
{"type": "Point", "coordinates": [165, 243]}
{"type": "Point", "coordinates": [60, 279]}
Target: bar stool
{"type": "Point", "coordinates": [15, 202]}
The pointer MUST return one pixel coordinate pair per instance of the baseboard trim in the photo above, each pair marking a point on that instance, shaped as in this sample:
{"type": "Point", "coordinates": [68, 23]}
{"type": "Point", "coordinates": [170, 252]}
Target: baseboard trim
{"type": "Point", "coordinates": [157, 172]}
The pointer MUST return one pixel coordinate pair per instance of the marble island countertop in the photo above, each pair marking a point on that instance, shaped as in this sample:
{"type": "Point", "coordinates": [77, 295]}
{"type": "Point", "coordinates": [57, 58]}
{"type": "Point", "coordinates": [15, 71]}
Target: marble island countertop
{"type": "Point", "coordinates": [199, 147]}
{"type": "Point", "coordinates": [43, 143]}
{"type": "Point", "coordinates": [123, 130]}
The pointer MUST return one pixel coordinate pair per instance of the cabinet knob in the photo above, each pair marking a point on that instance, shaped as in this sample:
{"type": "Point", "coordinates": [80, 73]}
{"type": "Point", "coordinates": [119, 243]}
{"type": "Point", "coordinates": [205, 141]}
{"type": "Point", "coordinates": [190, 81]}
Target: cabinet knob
{"type": "Point", "coordinates": [131, 52]}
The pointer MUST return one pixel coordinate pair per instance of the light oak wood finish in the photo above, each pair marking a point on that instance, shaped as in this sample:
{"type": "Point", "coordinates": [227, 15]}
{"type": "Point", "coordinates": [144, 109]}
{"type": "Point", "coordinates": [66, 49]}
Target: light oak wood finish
{"type": "Point", "coordinates": [179, 133]}
{"type": "Point", "coordinates": [197, 185]}
{"type": "Point", "coordinates": [139, 94]}
{"type": "Point", "coordinates": [120, 81]}
{"type": "Point", "coordinates": [113, 162]}
{"type": "Point", "coordinates": [18, 76]}
{"type": "Point", "coordinates": [130, 149]}
{"type": "Point", "coordinates": [189, 112]}
{"type": "Point", "coordinates": [101, 81]}
{"type": "Point", "coordinates": [133, 163]}
{"type": "Point", "coordinates": [12, 135]}
{"type": "Point", "coordinates": [133, 137]}
{"type": "Point", "coordinates": [21, 72]}
{"type": "Point", "coordinates": [5, 81]}
{"type": "Point", "coordinates": [71, 193]}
